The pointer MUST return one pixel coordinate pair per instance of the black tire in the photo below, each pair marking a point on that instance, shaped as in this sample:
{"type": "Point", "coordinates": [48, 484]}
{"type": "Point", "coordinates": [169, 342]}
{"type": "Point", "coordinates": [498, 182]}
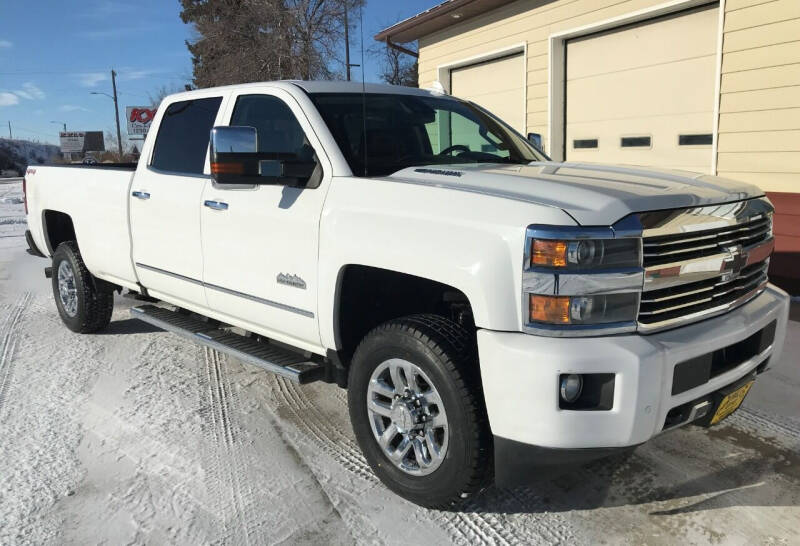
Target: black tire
{"type": "Point", "coordinates": [94, 307]}
{"type": "Point", "coordinates": [447, 353]}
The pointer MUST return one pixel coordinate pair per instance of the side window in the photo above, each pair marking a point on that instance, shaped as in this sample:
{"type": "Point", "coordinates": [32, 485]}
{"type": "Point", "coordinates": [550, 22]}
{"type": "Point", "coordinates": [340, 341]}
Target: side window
{"type": "Point", "coordinates": [279, 132]}
{"type": "Point", "coordinates": [182, 139]}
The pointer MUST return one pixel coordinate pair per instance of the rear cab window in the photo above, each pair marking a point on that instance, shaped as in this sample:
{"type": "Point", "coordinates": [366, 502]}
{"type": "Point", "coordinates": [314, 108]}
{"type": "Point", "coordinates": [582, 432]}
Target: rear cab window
{"type": "Point", "coordinates": [183, 135]}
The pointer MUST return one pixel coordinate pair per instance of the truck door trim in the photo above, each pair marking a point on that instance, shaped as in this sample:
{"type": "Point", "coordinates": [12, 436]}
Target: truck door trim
{"type": "Point", "coordinates": [256, 299]}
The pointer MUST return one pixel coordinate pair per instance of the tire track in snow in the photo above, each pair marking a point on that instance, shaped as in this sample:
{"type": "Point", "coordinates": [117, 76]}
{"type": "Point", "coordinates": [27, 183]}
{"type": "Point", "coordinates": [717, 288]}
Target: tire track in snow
{"type": "Point", "coordinates": [227, 467]}
{"type": "Point", "coordinates": [467, 527]}
{"type": "Point", "coordinates": [8, 343]}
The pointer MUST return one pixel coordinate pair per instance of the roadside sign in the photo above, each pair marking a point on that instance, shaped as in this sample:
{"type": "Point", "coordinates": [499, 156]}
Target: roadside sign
{"type": "Point", "coordinates": [139, 119]}
{"type": "Point", "coordinates": [81, 141]}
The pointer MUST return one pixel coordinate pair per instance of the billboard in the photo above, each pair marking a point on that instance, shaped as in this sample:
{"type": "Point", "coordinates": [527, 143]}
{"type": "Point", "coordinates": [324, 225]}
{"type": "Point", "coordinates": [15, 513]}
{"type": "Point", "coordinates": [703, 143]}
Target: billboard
{"type": "Point", "coordinates": [81, 141]}
{"type": "Point", "coordinates": [139, 119]}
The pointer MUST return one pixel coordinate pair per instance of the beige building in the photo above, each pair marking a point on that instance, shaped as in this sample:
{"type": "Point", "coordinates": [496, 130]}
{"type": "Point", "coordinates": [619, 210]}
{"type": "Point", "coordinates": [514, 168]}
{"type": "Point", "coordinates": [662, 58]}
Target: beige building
{"type": "Point", "coordinates": [711, 87]}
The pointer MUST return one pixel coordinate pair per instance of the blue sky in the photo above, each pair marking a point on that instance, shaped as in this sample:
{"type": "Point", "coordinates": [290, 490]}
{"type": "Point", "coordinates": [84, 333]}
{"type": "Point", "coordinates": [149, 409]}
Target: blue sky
{"type": "Point", "coordinates": [54, 53]}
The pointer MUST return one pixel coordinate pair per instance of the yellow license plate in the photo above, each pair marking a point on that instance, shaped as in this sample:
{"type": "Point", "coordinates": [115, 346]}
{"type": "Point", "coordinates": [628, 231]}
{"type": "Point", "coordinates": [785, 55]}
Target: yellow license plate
{"type": "Point", "coordinates": [731, 402]}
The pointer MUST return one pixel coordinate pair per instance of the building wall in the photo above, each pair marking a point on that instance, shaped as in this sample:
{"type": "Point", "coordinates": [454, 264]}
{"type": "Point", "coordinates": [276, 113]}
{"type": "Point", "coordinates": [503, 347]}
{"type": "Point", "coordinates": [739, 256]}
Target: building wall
{"type": "Point", "coordinates": [525, 21]}
{"type": "Point", "coordinates": [759, 120]}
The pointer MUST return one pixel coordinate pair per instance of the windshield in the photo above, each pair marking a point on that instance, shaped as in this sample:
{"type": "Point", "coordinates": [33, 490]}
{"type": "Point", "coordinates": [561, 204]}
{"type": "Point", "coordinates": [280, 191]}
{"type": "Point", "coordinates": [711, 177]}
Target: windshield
{"type": "Point", "coordinates": [411, 131]}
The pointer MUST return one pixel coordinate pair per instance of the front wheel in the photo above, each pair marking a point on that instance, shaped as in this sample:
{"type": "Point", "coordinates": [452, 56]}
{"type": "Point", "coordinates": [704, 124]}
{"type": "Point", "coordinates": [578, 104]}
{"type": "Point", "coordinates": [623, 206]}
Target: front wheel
{"type": "Point", "coordinates": [417, 410]}
{"type": "Point", "coordinates": [82, 307]}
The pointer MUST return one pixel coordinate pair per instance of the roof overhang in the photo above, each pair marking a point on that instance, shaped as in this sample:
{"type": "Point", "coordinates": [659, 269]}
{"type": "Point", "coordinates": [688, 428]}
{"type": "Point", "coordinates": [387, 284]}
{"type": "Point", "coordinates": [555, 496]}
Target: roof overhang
{"type": "Point", "coordinates": [437, 18]}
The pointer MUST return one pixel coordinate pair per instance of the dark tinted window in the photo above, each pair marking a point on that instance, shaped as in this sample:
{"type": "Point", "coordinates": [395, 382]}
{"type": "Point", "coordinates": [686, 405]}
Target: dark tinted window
{"type": "Point", "coordinates": [696, 140]}
{"type": "Point", "coordinates": [182, 139]}
{"type": "Point", "coordinates": [582, 144]}
{"type": "Point", "coordinates": [403, 131]}
{"type": "Point", "coordinates": [278, 130]}
{"type": "Point", "coordinates": [636, 142]}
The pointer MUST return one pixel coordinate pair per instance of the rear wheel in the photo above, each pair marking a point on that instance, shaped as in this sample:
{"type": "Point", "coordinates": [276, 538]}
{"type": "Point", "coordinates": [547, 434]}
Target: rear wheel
{"type": "Point", "coordinates": [82, 307]}
{"type": "Point", "coordinates": [417, 410]}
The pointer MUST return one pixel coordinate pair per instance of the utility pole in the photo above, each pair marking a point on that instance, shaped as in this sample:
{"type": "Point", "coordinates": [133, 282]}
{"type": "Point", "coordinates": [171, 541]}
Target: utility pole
{"type": "Point", "coordinates": [347, 63]}
{"type": "Point", "coordinates": [346, 42]}
{"type": "Point", "coordinates": [9, 131]}
{"type": "Point", "coordinates": [116, 112]}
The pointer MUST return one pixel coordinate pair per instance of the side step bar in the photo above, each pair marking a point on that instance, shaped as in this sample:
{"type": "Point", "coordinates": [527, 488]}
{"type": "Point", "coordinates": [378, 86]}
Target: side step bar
{"type": "Point", "coordinates": [264, 355]}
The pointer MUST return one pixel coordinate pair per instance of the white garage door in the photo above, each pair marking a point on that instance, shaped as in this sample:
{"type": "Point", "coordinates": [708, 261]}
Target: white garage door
{"type": "Point", "coordinates": [497, 85]}
{"type": "Point", "coordinates": [644, 95]}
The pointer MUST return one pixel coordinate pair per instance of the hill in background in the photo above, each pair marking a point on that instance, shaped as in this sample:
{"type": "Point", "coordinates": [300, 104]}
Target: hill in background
{"type": "Point", "coordinates": [16, 155]}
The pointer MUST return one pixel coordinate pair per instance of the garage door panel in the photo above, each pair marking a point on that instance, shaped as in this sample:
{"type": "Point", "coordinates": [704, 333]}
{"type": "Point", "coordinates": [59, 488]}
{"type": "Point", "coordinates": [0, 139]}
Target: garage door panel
{"type": "Point", "coordinates": [498, 86]}
{"type": "Point", "coordinates": [643, 82]}
{"type": "Point", "coordinates": [674, 39]}
{"type": "Point", "coordinates": [638, 92]}
{"type": "Point", "coordinates": [664, 132]}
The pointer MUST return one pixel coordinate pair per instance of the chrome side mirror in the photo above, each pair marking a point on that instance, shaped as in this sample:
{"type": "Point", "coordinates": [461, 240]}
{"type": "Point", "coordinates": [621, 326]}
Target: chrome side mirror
{"type": "Point", "coordinates": [233, 140]}
{"type": "Point", "coordinates": [236, 159]}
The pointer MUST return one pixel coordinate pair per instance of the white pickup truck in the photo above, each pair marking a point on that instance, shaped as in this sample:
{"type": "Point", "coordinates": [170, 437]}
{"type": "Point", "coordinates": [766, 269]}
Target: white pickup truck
{"type": "Point", "coordinates": [489, 312]}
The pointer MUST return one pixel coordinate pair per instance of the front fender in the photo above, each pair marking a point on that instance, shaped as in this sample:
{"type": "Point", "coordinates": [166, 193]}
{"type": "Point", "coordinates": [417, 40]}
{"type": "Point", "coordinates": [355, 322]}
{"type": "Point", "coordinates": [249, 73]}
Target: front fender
{"type": "Point", "coordinates": [469, 241]}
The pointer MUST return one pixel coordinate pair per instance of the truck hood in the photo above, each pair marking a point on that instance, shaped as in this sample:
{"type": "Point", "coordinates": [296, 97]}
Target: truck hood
{"type": "Point", "coordinates": [591, 194]}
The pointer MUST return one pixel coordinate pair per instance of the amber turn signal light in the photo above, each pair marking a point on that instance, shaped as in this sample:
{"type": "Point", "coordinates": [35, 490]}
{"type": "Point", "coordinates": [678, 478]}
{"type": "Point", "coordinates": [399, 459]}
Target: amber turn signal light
{"type": "Point", "coordinates": [551, 309]}
{"type": "Point", "coordinates": [227, 168]}
{"type": "Point", "coordinates": [548, 253]}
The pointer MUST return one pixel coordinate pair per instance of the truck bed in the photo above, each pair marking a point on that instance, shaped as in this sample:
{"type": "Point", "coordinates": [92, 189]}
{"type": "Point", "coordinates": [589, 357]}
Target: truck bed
{"type": "Point", "coordinates": [95, 197]}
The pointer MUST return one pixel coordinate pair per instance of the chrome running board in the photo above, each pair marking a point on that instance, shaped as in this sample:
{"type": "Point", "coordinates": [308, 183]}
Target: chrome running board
{"type": "Point", "coordinates": [266, 355]}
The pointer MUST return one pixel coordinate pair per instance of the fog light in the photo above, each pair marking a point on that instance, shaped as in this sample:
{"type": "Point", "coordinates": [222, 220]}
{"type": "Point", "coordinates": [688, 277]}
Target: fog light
{"type": "Point", "coordinates": [571, 387]}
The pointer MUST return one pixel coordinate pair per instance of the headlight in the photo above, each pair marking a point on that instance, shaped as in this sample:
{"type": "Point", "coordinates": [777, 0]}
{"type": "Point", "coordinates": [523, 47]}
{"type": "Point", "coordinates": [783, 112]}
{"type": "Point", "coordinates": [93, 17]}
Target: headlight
{"type": "Point", "coordinates": [583, 254]}
{"type": "Point", "coordinates": [598, 309]}
{"type": "Point", "coordinates": [582, 281]}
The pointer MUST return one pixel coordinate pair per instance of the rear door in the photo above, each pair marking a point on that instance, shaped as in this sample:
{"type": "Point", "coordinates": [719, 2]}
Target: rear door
{"type": "Point", "coordinates": [165, 201]}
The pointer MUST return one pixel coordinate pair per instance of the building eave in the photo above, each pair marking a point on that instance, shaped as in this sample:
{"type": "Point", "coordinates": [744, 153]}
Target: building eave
{"type": "Point", "coordinates": [437, 18]}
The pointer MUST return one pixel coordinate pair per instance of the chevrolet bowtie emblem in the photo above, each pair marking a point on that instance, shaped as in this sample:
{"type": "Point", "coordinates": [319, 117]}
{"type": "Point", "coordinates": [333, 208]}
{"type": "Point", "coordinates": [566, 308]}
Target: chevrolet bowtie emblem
{"type": "Point", "coordinates": [733, 263]}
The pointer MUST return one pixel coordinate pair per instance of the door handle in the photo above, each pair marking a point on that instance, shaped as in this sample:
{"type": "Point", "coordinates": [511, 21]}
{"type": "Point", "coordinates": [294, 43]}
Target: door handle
{"type": "Point", "coordinates": [216, 205]}
{"type": "Point", "coordinates": [141, 194]}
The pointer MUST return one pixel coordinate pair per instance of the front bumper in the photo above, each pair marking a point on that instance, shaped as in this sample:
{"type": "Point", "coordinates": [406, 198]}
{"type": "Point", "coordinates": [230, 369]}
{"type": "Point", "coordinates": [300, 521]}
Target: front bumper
{"type": "Point", "coordinates": [520, 375]}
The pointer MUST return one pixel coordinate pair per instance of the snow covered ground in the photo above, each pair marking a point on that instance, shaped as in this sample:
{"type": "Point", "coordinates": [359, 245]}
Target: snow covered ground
{"type": "Point", "coordinates": [136, 436]}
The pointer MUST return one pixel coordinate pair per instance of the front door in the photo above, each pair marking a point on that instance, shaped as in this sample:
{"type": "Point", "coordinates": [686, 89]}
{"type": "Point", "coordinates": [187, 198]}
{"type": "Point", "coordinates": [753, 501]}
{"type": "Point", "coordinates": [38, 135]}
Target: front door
{"type": "Point", "coordinates": [260, 241]}
{"type": "Point", "coordinates": [165, 203]}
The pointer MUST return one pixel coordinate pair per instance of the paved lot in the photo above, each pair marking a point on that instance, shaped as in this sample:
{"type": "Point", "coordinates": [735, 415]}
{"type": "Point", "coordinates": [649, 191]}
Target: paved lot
{"type": "Point", "coordinates": [136, 436]}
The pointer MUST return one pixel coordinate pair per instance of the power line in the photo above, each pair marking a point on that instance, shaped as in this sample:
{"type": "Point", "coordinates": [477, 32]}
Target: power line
{"type": "Point", "coordinates": [27, 130]}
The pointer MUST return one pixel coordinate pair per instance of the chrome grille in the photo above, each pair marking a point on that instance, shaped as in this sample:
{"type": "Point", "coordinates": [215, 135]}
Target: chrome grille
{"type": "Point", "coordinates": [681, 246]}
{"type": "Point", "coordinates": [702, 262]}
{"type": "Point", "coordinates": [689, 299]}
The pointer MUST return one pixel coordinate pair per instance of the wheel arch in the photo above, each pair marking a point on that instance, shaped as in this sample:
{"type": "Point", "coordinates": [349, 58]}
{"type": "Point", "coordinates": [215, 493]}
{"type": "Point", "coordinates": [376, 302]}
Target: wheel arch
{"type": "Point", "coordinates": [367, 296]}
{"type": "Point", "coordinates": [57, 228]}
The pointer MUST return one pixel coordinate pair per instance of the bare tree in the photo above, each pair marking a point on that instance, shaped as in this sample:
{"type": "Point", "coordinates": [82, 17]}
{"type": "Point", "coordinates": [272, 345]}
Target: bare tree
{"type": "Point", "coordinates": [159, 93]}
{"type": "Point", "coordinates": [397, 67]}
{"type": "Point", "coordinates": [240, 41]}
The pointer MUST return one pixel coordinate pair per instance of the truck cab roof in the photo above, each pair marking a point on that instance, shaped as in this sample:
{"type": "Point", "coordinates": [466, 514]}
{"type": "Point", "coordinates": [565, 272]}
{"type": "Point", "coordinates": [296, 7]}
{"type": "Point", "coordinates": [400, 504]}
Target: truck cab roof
{"type": "Point", "coordinates": [316, 87]}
